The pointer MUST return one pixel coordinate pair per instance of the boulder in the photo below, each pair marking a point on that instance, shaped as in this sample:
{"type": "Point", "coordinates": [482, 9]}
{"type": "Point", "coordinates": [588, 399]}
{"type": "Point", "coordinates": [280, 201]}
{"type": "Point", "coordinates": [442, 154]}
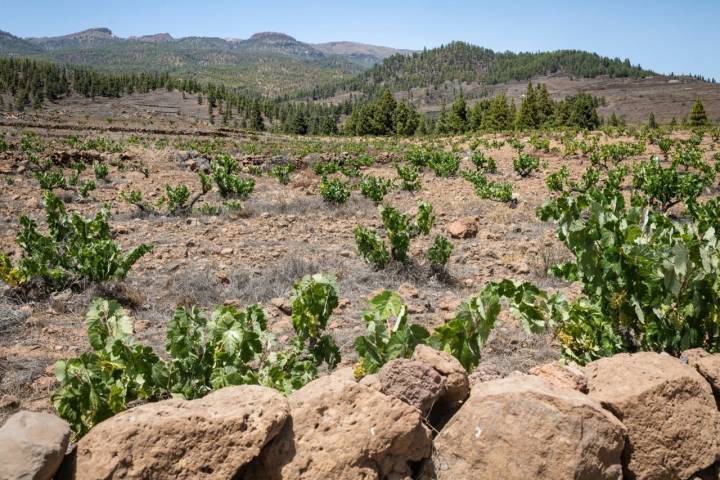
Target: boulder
{"type": "Point", "coordinates": [463, 228]}
{"type": "Point", "coordinates": [456, 386]}
{"type": "Point", "coordinates": [371, 381]}
{"type": "Point", "coordinates": [415, 383]}
{"type": "Point", "coordinates": [668, 409]}
{"type": "Point", "coordinates": [345, 373]}
{"type": "Point", "coordinates": [33, 446]}
{"type": "Point", "coordinates": [524, 427]}
{"type": "Point", "coordinates": [484, 373]}
{"type": "Point", "coordinates": [568, 375]}
{"type": "Point", "coordinates": [209, 438]}
{"type": "Point", "coordinates": [343, 430]}
{"type": "Point", "coordinates": [707, 365]}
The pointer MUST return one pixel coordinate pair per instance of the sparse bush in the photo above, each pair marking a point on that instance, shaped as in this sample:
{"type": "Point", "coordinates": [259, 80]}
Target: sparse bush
{"type": "Point", "coordinates": [176, 197]}
{"type": "Point", "coordinates": [483, 163]}
{"type": "Point", "coordinates": [282, 172]}
{"type": "Point", "coordinates": [208, 209]}
{"type": "Point", "coordinates": [663, 187]}
{"type": "Point", "coordinates": [224, 171]}
{"type": "Point", "coordinates": [334, 191]}
{"type": "Point", "coordinates": [439, 253]}
{"type": "Point", "coordinates": [233, 205]}
{"type": "Point", "coordinates": [400, 229]}
{"type": "Point", "coordinates": [375, 188]}
{"type": "Point", "coordinates": [409, 177]}
{"type": "Point", "coordinates": [371, 248]}
{"type": "Point", "coordinates": [86, 188]}
{"type": "Point", "coordinates": [326, 168]}
{"type": "Point", "coordinates": [557, 181]}
{"type": "Point", "coordinates": [525, 164]}
{"type": "Point", "coordinates": [230, 347]}
{"type": "Point", "coordinates": [486, 189]}
{"type": "Point", "coordinates": [101, 170]}
{"type": "Point", "coordinates": [389, 335]}
{"type": "Point", "coordinates": [75, 251]}
{"type": "Point", "coordinates": [444, 164]}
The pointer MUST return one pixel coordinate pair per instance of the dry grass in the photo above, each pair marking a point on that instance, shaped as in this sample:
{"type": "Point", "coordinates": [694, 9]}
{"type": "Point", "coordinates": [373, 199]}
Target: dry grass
{"type": "Point", "coordinates": [276, 281]}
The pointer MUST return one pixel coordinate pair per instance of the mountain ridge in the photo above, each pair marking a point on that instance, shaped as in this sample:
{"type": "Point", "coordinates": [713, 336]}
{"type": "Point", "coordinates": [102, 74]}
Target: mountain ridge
{"type": "Point", "coordinates": [278, 65]}
{"type": "Point", "coordinates": [102, 35]}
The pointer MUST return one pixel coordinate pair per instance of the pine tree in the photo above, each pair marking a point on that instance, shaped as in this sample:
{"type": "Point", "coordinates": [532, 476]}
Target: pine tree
{"type": "Point", "coordinates": [698, 117]}
{"type": "Point", "coordinates": [500, 114]}
{"type": "Point", "coordinates": [613, 121]}
{"type": "Point", "coordinates": [544, 106]}
{"type": "Point", "coordinates": [527, 117]}
{"type": "Point", "coordinates": [298, 123]}
{"type": "Point", "coordinates": [652, 123]}
{"type": "Point", "coordinates": [456, 121]}
{"type": "Point", "coordinates": [476, 114]}
{"type": "Point", "coordinates": [255, 120]}
{"type": "Point", "coordinates": [405, 119]}
{"type": "Point", "coordinates": [383, 114]}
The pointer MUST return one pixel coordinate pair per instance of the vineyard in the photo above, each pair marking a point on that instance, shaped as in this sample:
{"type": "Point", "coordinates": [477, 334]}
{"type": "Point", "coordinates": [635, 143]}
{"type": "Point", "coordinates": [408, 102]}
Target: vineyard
{"type": "Point", "coordinates": [140, 267]}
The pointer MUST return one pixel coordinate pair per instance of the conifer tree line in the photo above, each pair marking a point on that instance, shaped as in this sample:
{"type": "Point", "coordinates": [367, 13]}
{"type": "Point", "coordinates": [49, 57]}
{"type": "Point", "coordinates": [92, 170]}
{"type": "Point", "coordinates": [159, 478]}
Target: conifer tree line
{"type": "Point", "coordinates": [460, 61]}
{"type": "Point", "coordinates": [537, 110]}
{"type": "Point", "coordinates": [30, 83]}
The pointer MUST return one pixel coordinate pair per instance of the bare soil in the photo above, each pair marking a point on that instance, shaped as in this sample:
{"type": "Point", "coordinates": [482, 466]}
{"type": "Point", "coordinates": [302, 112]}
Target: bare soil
{"type": "Point", "coordinates": [255, 254]}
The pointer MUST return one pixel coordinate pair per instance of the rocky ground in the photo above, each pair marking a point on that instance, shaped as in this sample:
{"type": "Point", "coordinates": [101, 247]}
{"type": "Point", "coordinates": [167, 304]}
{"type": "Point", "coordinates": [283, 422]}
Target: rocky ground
{"type": "Point", "coordinates": [281, 233]}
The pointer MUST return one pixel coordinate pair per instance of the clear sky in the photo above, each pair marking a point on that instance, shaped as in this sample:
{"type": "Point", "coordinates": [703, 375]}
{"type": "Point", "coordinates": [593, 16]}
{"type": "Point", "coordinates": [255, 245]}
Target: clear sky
{"type": "Point", "coordinates": [663, 35]}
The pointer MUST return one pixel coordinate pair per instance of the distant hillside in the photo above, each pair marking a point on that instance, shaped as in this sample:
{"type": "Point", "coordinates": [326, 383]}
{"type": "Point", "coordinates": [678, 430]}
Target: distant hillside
{"type": "Point", "coordinates": [10, 44]}
{"type": "Point", "coordinates": [269, 63]}
{"type": "Point", "coordinates": [90, 37]}
{"type": "Point", "coordinates": [361, 53]}
{"type": "Point", "coordinates": [465, 63]}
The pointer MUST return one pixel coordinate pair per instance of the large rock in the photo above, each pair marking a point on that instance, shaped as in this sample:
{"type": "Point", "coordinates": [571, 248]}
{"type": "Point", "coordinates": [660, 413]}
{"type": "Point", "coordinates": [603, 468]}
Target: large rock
{"type": "Point", "coordinates": [32, 446]}
{"type": "Point", "coordinates": [342, 430]}
{"type": "Point", "coordinates": [564, 375]}
{"type": "Point", "coordinates": [415, 383]}
{"type": "Point", "coordinates": [668, 409]}
{"type": "Point", "coordinates": [707, 365]}
{"type": "Point", "coordinates": [463, 228]}
{"type": "Point", "coordinates": [523, 427]}
{"type": "Point", "coordinates": [456, 386]}
{"type": "Point", "coordinates": [485, 372]}
{"type": "Point", "coordinates": [212, 437]}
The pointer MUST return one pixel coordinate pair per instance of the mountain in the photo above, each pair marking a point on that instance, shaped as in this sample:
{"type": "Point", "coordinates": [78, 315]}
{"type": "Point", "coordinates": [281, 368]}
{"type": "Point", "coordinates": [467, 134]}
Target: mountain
{"type": "Point", "coordinates": [89, 37]}
{"type": "Point", "coordinates": [156, 37]}
{"type": "Point", "coordinates": [10, 44]}
{"type": "Point", "coordinates": [276, 64]}
{"type": "Point", "coordinates": [465, 63]}
{"type": "Point", "coordinates": [280, 43]}
{"type": "Point", "coordinates": [268, 62]}
{"type": "Point", "coordinates": [360, 53]}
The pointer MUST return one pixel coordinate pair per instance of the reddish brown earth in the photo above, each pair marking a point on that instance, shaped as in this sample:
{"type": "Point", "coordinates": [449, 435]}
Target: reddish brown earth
{"type": "Point", "coordinates": [255, 255]}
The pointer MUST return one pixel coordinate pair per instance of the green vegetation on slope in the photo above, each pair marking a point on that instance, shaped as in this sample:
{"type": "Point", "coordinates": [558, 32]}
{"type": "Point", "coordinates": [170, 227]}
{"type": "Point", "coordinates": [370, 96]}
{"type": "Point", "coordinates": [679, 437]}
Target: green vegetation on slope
{"type": "Point", "coordinates": [463, 62]}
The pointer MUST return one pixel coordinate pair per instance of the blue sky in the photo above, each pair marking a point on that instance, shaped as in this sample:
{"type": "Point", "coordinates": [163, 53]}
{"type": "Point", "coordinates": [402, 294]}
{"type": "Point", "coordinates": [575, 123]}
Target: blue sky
{"type": "Point", "coordinates": [666, 36]}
